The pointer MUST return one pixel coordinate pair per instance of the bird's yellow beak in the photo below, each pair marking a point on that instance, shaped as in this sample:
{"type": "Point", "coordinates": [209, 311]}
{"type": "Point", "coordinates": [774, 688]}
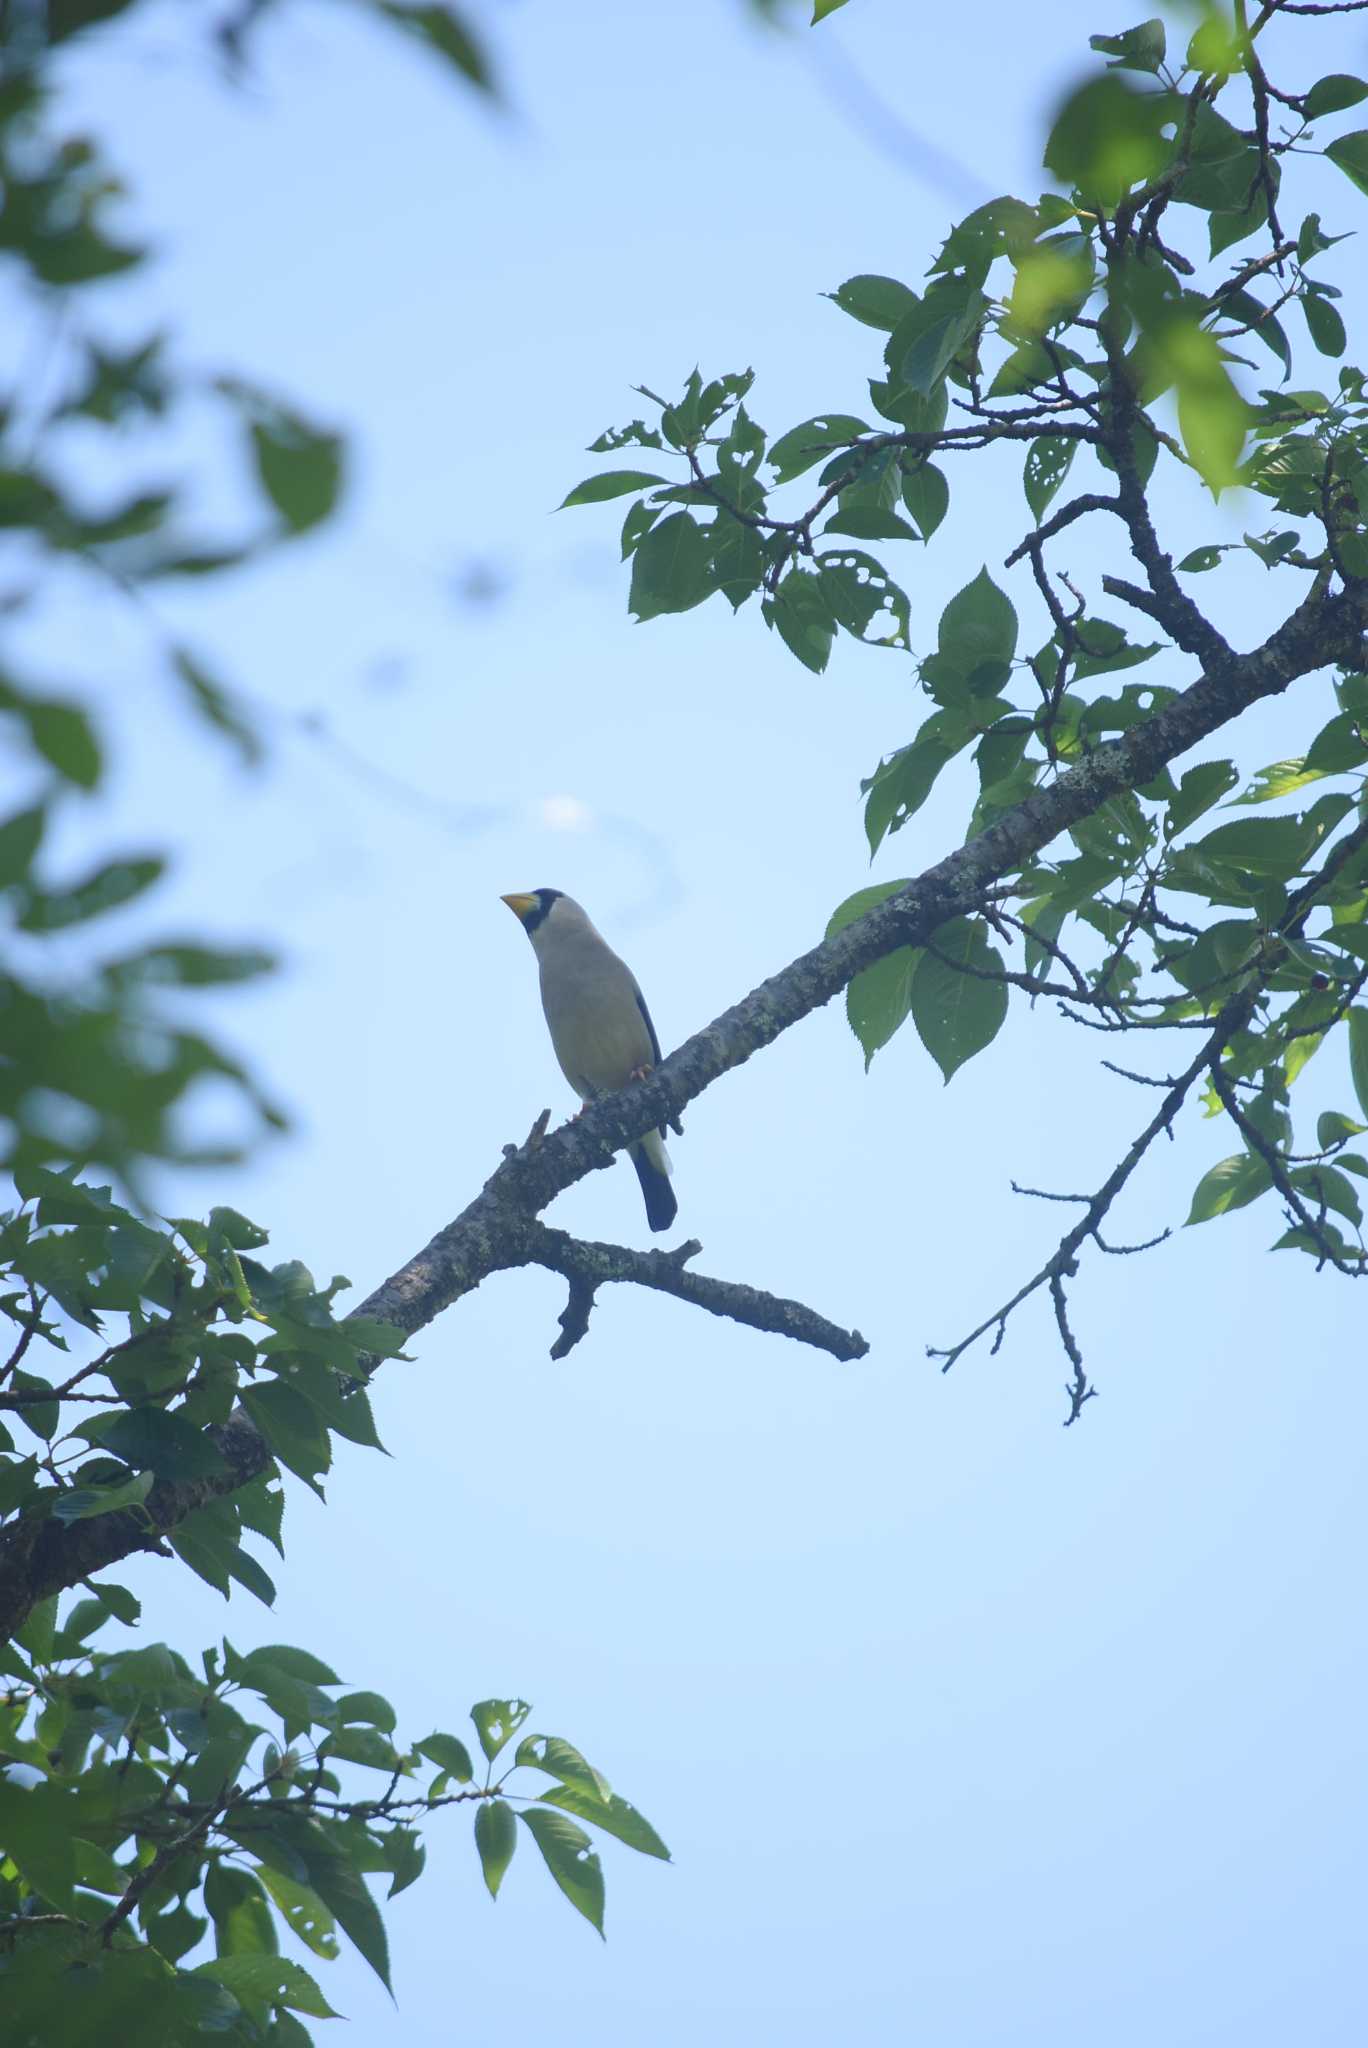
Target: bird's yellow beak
{"type": "Point", "coordinates": [520, 906]}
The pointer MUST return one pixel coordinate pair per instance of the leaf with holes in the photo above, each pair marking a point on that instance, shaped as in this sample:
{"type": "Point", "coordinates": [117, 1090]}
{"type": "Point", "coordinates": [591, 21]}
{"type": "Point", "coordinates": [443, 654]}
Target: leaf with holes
{"type": "Point", "coordinates": [571, 1859]}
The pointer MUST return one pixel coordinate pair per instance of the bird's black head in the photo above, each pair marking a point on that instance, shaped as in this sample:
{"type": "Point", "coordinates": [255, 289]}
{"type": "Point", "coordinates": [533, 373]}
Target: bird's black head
{"type": "Point", "coordinates": [530, 910]}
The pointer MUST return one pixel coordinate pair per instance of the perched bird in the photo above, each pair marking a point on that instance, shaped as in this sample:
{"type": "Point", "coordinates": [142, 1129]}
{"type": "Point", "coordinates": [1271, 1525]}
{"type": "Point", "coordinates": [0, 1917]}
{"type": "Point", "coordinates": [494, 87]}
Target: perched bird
{"type": "Point", "coordinates": [600, 1026]}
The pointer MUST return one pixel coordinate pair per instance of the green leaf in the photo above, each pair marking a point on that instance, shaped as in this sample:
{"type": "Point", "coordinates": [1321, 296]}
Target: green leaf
{"type": "Point", "coordinates": [612, 483]}
{"type": "Point", "coordinates": [444, 31]}
{"type": "Point", "coordinates": [570, 1857]}
{"type": "Point", "coordinates": [1350, 152]}
{"type": "Point", "coordinates": [1358, 1054]}
{"type": "Point", "coordinates": [64, 736]}
{"type": "Point", "coordinates": [670, 568]}
{"type": "Point", "coordinates": [1108, 137]}
{"type": "Point", "coordinates": [106, 888]}
{"type": "Point", "coordinates": [801, 613]}
{"type": "Point", "coordinates": [1135, 49]}
{"type": "Point", "coordinates": [877, 999]}
{"type": "Point", "coordinates": [240, 1912]}
{"type": "Point", "coordinates": [217, 706]}
{"type": "Point", "coordinates": [870, 522]}
{"type": "Point", "coordinates": [1324, 324]}
{"type": "Point", "coordinates": [931, 334]}
{"type": "Point", "coordinates": [450, 1755]}
{"type": "Point", "coordinates": [292, 1429]}
{"type": "Point", "coordinates": [368, 1708]}
{"type": "Point", "coordinates": [261, 1984]}
{"type": "Point", "coordinates": [80, 1503]}
{"type": "Point", "coordinates": [803, 445]}
{"type": "Point", "coordinates": [926, 495]}
{"type": "Point", "coordinates": [978, 633]}
{"type": "Point", "coordinates": [160, 1441]}
{"type": "Point", "coordinates": [1331, 95]}
{"type": "Point", "coordinates": [613, 1815]}
{"type": "Point", "coordinates": [300, 468]}
{"type": "Point", "coordinates": [820, 10]}
{"type": "Point", "coordinates": [496, 1837]}
{"type": "Point", "coordinates": [738, 559]}
{"type": "Point", "coordinates": [560, 1759]}
{"type": "Point", "coordinates": [1200, 788]}
{"type": "Point", "coordinates": [1229, 1185]}
{"type": "Point", "coordinates": [1323, 1187]}
{"type": "Point", "coordinates": [1334, 1128]}
{"type": "Point", "coordinates": [20, 837]}
{"type": "Point", "coordinates": [956, 1013]}
{"type": "Point", "coordinates": [304, 1912]}
{"type": "Point", "coordinates": [900, 785]}
{"type": "Point", "coordinates": [341, 1887]}
{"type": "Point", "coordinates": [35, 1832]}
{"type": "Point", "coordinates": [1047, 465]}
{"type": "Point", "coordinates": [877, 301]}
{"type": "Point", "coordinates": [496, 1722]}
{"type": "Point", "coordinates": [295, 1663]}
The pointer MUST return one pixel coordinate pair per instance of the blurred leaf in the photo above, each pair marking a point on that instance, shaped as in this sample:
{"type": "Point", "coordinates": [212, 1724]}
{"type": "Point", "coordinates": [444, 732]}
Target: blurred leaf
{"type": "Point", "coordinates": [444, 31]}
{"type": "Point", "coordinates": [300, 467]}
{"type": "Point", "coordinates": [216, 705]}
{"type": "Point", "coordinates": [106, 888]}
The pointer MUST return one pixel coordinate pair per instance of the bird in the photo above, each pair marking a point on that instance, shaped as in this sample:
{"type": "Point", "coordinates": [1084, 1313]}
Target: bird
{"type": "Point", "coordinates": [601, 1029]}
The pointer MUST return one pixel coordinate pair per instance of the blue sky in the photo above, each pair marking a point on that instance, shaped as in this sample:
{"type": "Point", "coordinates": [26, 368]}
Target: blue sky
{"type": "Point", "coordinates": [962, 1729]}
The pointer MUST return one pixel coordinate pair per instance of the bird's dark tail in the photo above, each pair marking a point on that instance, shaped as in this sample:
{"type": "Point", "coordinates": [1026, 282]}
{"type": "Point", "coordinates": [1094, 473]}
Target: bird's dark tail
{"type": "Point", "coordinates": [661, 1206]}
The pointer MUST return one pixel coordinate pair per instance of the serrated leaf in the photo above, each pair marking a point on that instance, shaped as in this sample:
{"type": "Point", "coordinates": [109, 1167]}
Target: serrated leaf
{"type": "Point", "coordinates": [926, 494]}
{"type": "Point", "coordinates": [261, 1984]}
{"type": "Point", "coordinates": [670, 568]}
{"type": "Point", "coordinates": [957, 1013]}
{"type": "Point", "coordinates": [876, 301]}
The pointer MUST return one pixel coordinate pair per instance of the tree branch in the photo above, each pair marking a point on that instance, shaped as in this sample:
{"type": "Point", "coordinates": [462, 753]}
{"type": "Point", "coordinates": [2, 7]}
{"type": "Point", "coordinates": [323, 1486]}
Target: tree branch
{"type": "Point", "coordinates": [588, 1266]}
{"type": "Point", "coordinates": [40, 1558]}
